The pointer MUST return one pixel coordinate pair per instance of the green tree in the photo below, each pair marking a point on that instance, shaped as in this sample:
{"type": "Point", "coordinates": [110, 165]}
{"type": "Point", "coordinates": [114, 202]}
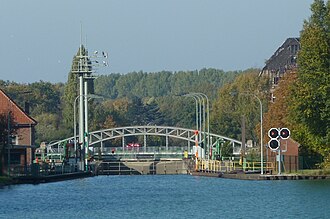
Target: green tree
{"type": "Point", "coordinates": [158, 84]}
{"type": "Point", "coordinates": [327, 20]}
{"type": "Point", "coordinates": [235, 100]}
{"type": "Point", "coordinates": [153, 115]}
{"type": "Point", "coordinates": [70, 92]}
{"type": "Point", "coordinates": [178, 111]}
{"type": "Point", "coordinates": [50, 128]}
{"type": "Point", "coordinates": [310, 110]}
{"type": "Point", "coordinates": [136, 114]}
{"type": "Point", "coordinates": [278, 111]}
{"type": "Point", "coordinates": [319, 12]}
{"type": "Point", "coordinates": [44, 98]}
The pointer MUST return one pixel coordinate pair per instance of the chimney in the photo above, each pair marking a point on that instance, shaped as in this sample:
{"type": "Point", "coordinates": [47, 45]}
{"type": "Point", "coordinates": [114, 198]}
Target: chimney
{"type": "Point", "coordinates": [27, 107]}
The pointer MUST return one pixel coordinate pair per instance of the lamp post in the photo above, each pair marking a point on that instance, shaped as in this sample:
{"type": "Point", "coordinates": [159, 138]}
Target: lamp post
{"type": "Point", "coordinates": [201, 100]}
{"type": "Point", "coordinates": [208, 121]}
{"type": "Point", "coordinates": [261, 136]}
{"type": "Point", "coordinates": [261, 130]}
{"type": "Point", "coordinates": [198, 120]}
{"type": "Point", "coordinates": [196, 101]}
{"type": "Point", "coordinates": [74, 125]}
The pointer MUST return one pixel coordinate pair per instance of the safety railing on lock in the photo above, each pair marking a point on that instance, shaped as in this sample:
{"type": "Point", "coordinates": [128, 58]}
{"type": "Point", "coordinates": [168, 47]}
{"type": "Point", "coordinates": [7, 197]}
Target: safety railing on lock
{"type": "Point", "coordinates": [216, 166]}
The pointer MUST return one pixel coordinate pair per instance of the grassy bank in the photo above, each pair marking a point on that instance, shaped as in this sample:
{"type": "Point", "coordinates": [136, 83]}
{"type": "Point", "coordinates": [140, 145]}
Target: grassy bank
{"type": "Point", "coordinates": [314, 172]}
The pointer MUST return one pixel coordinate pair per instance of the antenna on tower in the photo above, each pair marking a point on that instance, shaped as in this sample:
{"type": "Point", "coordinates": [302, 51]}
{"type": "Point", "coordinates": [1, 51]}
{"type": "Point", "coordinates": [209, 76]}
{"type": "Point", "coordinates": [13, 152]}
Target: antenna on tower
{"type": "Point", "coordinates": [81, 30]}
{"type": "Point", "coordinates": [81, 33]}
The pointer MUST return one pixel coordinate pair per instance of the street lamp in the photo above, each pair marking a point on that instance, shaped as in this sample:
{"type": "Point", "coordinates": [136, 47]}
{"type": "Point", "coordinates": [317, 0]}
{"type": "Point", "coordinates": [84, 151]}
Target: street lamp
{"type": "Point", "coordinates": [200, 99]}
{"type": "Point", "coordinates": [196, 101]}
{"type": "Point", "coordinates": [198, 132]}
{"type": "Point", "coordinates": [261, 129]}
{"type": "Point", "coordinates": [208, 120]}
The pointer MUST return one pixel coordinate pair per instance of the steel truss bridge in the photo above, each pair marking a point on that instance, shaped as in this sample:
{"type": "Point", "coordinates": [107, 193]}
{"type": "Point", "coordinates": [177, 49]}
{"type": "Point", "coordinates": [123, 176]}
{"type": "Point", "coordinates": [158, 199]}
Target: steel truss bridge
{"type": "Point", "coordinates": [97, 139]}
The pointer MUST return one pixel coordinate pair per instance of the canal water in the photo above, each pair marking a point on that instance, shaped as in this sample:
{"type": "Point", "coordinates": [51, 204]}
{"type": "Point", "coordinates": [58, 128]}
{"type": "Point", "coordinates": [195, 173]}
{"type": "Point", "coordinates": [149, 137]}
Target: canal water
{"type": "Point", "coordinates": [166, 196]}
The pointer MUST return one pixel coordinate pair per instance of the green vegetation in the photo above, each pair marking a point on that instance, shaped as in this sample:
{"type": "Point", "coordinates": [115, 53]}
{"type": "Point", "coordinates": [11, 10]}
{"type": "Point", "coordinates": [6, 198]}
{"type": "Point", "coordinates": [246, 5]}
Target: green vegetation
{"type": "Point", "coordinates": [165, 83]}
{"type": "Point", "coordinates": [136, 98]}
{"type": "Point", "coordinates": [314, 172]}
{"type": "Point", "coordinates": [310, 104]}
{"type": "Point", "coordinates": [140, 98]}
{"type": "Point", "coordinates": [237, 99]}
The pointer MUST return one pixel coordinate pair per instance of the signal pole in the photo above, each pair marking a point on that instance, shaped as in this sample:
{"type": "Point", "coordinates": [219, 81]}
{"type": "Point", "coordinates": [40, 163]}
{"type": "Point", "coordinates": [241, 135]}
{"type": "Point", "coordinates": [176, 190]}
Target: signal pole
{"type": "Point", "coordinates": [275, 134]}
{"type": "Point", "coordinates": [84, 70]}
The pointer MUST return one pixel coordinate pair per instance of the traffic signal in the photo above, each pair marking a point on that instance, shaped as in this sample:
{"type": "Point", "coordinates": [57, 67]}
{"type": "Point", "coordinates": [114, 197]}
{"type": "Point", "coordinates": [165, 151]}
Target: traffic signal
{"type": "Point", "coordinates": [285, 133]}
{"type": "Point", "coordinates": [274, 144]}
{"type": "Point", "coordinates": [273, 133]}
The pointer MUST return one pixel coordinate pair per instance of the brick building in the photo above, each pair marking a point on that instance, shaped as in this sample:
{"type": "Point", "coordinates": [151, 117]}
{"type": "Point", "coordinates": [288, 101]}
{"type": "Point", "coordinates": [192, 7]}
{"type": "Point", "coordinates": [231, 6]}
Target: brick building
{"type": "Point", "coordinates": [22, 145]}
{"type": "Point", "coordinates": [290, 155]}
{"type": "Point", "coordinates": [283, 61]}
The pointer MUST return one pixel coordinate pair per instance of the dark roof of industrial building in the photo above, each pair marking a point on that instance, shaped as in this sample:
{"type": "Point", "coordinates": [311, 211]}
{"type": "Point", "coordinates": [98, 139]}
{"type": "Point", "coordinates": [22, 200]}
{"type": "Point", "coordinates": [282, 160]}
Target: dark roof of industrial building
{"type": "Point", "coordinates": [284, 57]}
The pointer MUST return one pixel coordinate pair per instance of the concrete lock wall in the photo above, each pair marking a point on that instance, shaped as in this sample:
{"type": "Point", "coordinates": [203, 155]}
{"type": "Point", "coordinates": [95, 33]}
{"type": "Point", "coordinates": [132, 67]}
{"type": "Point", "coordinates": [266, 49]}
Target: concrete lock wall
{"type": "Point", "coordinates": [159, 167]}
{"type": "Point", "coordinates": [171, 167]}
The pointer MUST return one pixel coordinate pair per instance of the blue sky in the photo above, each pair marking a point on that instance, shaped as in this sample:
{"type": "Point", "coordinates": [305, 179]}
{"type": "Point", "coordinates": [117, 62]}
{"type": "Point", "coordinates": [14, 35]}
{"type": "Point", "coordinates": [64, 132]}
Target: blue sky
{"type": "Point", "coordinates": [39, 38]}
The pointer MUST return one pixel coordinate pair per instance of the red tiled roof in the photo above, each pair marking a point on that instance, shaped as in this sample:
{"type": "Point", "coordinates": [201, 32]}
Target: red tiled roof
{"type": "Point", "coordinates": [7, 104]}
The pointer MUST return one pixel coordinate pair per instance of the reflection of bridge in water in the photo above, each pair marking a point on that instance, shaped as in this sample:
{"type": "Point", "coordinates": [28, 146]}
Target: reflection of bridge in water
{"type": "Point", "coordinates": [97, 142]}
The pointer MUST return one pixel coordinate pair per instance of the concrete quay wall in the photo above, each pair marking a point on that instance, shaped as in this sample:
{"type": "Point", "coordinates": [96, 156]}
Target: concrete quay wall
{"type": "Point", "coordinates": [243, 176]}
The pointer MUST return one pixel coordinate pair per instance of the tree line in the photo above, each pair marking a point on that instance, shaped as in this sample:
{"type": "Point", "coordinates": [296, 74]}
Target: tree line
{"type": "Point", "coordinates": [136, 98]}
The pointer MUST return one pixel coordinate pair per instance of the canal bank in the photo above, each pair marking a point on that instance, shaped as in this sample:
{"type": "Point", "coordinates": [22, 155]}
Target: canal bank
{"type": "Point", "coordinates": [258, 176]}
{"type": "Point", "coordinates": [45, 179]}
{"type": "Point", "coordinates": [5, 181]}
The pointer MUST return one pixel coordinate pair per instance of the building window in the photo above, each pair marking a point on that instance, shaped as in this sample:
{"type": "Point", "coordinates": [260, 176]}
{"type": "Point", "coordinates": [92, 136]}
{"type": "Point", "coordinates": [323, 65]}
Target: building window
{"type": "Point", "coordinates": [292, 49]}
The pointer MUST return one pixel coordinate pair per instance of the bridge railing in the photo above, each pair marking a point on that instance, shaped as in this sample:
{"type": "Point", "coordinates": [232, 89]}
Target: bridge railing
{"type": "Point", "coordinates": [140, 153]}
{"type": "Point", "coordinates": [43, 169]}
{"type": "Point", "coordinates": [149, 149]}
{"type": "Point", "coordinates": [216, 166]}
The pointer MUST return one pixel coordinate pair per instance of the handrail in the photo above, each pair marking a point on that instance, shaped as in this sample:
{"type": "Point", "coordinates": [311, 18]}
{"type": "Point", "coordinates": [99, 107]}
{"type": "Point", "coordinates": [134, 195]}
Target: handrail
{"type": "Point", "coordinates": [230, 166]}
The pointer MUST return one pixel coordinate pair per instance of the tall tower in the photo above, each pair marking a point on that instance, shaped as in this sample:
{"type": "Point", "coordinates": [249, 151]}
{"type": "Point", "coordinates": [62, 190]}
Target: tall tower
{"type": "Point", "coordinates": [84, 69]}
